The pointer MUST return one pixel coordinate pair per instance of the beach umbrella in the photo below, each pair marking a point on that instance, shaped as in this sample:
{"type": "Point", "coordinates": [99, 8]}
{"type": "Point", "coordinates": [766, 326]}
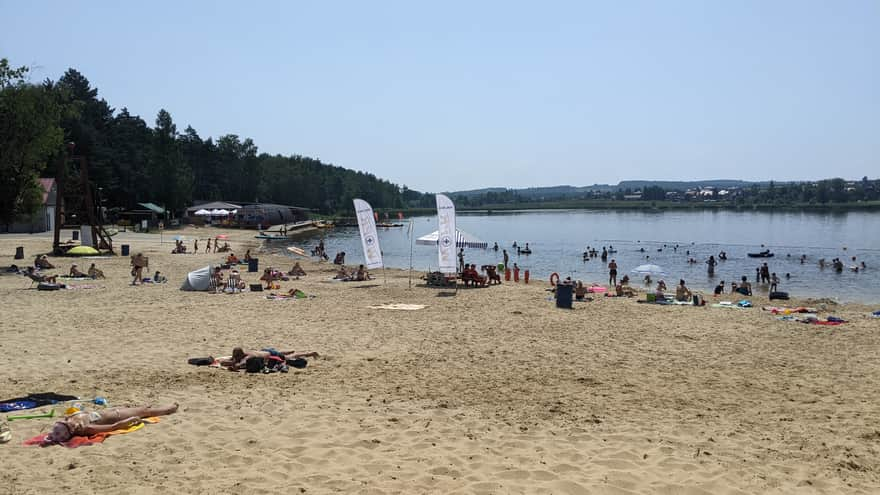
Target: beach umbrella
{"type": "Point", "coordinates": [223, 237]}
{"type": "Point", "coordinates": [82, 251]}
{"type": "Point", "coordinates": [648, 270]}
{"type": "Point", "coordinates": [222, 212]}
{"type": "Point", "coordinates": [462, 239]}
{"type": "Point", "coordinates": [203, 212]}
{"type": "Point", "coordinates": [216, 213]}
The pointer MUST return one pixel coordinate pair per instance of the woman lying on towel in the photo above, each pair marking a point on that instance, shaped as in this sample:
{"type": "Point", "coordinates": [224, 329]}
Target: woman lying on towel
{"type": "Point", "coordinates": [88, 423]}
{"type": "Point", "coordinates": [38, 277]}
{"type": "Point", "coordinates": [240, 356]}
{"type": "Point", "coordinates": [76, 273]}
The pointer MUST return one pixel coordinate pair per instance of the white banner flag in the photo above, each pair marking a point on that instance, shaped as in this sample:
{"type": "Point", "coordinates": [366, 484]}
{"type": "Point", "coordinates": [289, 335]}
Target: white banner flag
{"type": "Point", "coordinates": [446, 234]}
{"type": "Point", "coordinates": [369, 238]}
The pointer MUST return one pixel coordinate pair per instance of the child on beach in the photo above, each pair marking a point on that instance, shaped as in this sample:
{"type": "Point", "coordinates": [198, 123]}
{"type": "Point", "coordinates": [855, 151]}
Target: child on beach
{"type": "Point", "coordinates": [774, 282]}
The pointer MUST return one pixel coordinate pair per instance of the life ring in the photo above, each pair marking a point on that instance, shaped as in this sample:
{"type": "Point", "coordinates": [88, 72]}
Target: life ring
{"type": "Point", "coordinates": [551, 279]}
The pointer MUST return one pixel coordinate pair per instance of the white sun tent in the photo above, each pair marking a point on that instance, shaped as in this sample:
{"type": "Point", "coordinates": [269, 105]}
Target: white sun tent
{"type": "Point", "coordinates": [462, 239]}
{"type": "Point", "coordinates": [198, 280]}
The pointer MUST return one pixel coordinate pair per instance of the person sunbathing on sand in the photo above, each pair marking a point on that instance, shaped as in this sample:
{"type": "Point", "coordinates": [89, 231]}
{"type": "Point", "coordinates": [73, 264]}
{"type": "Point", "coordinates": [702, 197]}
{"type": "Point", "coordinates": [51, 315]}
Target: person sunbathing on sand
{"type": "Point", "coordinates": [362, 274]}
{"type": "Point", "coordinates": [240, 356]}
{"type": "Point", "coordinates": [95, 273]}
{"type": "Point", "coordinates": [297, 270]}
{"type": "Point", "coordinates": [42, 262]}
{"type": "Point", "coordinates": [342, 274]}
{"type": "Point", "coordinates": [744, 288]}
{"type": "Point", "coordinates": [85, 423]}
{"type": "Point", "coordinates": [682, 293]}
{"type": "Point", "coordinates": [75, 273]}
{"type": "Point", "coordinates": [36, 277]}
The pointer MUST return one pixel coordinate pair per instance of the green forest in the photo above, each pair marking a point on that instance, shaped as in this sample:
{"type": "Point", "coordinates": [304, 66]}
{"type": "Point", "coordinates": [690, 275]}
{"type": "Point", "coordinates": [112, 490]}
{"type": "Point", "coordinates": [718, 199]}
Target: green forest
{"type": "Point", "coordinates": [133, 162]}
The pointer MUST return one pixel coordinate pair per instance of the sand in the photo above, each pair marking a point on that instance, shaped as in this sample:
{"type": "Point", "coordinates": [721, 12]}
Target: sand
{"type": "Point", "coordinates": [486, 391]}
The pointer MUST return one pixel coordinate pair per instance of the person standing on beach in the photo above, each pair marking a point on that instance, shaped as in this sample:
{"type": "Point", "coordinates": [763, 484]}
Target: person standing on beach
{"type": "Point", "coordinates": [195, 246]}
{"type": "Point", "coordinates": [461, 260]}
{"type": "Point", "coordinates": [208, 249]}
{"type": "Point", "coordinates": [216, 243]}
{"type": "Point", "coordinates": [612, 273]}
{"type": "Point", "coordinates": [506, 259]}
{"type": "Point", "coordinates": [711, 262]}
{"type": "Point", "coordinates": [138, 263]}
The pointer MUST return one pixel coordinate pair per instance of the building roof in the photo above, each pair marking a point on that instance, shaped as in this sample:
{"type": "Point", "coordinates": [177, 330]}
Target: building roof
{"type": "Point", "coordinates": [153, 207]}
{"type": "Point", "coordinates": [272, 205]}
{"type": "Point", "coordinates": [214, 205]}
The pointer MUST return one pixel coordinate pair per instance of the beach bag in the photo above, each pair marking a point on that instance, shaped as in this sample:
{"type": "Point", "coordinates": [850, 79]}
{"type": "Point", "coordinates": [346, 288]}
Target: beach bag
{"type": "Point", "coordinates": [200, 361]}
{"type": "Point", "coordinates": [254, 365]}
{"type": "Point", "coordinates": [779, 295]}
{"type": "Point", "coordinates": [298, 363]}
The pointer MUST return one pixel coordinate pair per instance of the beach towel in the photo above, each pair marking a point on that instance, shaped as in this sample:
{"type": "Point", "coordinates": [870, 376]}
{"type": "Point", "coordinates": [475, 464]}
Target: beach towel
{"type": "Point", "coordinates": [785, 310]}
{"type": "Point", "coordinates": [82, 441]}
{"type": "Point", "coordinates": [34, 400]}
{"type": "Point", "coordinates": [726, 304]}
{"type": "Point", "coordinates": [83, 286]}
{"type": "Point", "coordinates": [399, 306]}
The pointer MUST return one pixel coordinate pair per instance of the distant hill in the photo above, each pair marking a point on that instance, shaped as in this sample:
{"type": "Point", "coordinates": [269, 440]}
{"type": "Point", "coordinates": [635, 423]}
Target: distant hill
{"type": "Point", "coordinates": [681, 185]}
{"type": "Point", "coordinates": [562, 191]}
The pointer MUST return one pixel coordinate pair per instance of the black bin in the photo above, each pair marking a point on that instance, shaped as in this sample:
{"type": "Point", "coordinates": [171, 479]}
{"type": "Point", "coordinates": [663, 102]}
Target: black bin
{"type": "Point", "coordinates": [19, 253]}
{"type": "Point", "coordinates": [563, 296]}
{"type": "Point", "coordinates": [75, 235]}
{"type": "Point", "coordinates": [125, 250]}
{"type": "Point", "coordinates": [253, 265]}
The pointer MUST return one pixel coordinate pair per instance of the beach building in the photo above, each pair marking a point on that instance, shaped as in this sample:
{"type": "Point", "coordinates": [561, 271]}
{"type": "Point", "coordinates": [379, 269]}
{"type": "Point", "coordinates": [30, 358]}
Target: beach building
{"type": "Point", "coordinates": [262, 215]}
{"type": "Point", "coordinates": [43, 220]}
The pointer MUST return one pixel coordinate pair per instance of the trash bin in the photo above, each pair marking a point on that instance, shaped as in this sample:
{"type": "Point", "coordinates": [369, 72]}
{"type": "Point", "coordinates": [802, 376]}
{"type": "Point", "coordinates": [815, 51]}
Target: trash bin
{"type": "Point", "coordinates": [563, 296]}
{"type": "Point", "coordinates": [19, 253]}
{"type": "Point", "coordinates": [75, 235]}
{"type": "Point", "coordinates": [253, 265]}
{"type": "Point", "coordinates": [125, 250]}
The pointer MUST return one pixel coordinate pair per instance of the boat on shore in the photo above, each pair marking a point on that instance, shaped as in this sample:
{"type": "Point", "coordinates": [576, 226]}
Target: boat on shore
{"type": "Point", "coordinates": [271, 237]}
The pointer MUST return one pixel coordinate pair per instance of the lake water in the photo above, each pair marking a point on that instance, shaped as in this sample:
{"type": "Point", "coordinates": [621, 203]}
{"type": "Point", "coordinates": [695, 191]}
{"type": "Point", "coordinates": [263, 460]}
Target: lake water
{"type": "Point", "coordinates": [558, 239]}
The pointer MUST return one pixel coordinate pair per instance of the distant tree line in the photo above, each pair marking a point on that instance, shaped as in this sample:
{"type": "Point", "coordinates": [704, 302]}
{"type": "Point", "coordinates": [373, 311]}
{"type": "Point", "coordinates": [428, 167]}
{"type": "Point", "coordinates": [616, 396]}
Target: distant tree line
{"type": "Point", "coordinates": [823, 192]}
{"type": "Point", "coordinates": [132, 162]}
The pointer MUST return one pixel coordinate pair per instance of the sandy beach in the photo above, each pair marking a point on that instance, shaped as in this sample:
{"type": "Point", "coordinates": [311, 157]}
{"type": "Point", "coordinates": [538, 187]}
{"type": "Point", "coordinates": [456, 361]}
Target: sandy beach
{"type": "Point", "coordinates": [484, 391]}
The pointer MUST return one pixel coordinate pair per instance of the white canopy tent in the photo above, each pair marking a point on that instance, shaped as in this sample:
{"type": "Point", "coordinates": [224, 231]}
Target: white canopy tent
{"type": "Point", "coordinates": [462, 239]}
{"type": "Point", "coordinates": [202, 213]}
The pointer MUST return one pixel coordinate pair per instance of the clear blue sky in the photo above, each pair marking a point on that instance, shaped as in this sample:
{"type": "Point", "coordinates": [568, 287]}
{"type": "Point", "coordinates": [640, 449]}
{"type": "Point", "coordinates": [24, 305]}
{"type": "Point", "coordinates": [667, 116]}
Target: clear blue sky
{"type": "Point", "coordinates": [465, 95]}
